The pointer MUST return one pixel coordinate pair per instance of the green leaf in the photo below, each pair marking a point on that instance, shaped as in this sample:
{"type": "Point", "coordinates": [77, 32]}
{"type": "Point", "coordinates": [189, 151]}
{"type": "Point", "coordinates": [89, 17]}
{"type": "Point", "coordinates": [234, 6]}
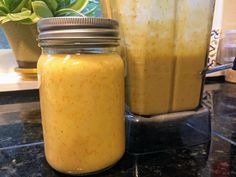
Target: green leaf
{"type": "Point", "coordinates": [2, 13]}
{"type": "Point", "coordinates": [78, 5]}
{"type": "Point", "coordinates": [11, 4]}
{"type": "Point", "coordinates": [63, 3]}
{"type": "Point", "coordinates": [3, 8]}
{"type": "Point", "coordinates": [52, 4]}
{"type": "Point", "coordinates": [90, 13]}
{"type": "Point", "coordinates": [41, 9]}
{"type": "Point", "coordinates": [30, 20]}
{"type": "Point", "coordinates": [1, 18]}
{"type": "Point", "coordinates": [19, 16]}
{"type": "Point", "coordinates": [28, 5]}
{"type": "Point", "coordinates": [34, 18]}
{"type": "Point", "coordinates": [22, 4]}
{"type": "Point", "coordinates": [67, 12]}
{"type": "Point", "coordinates": [6, 19]}
{"type": "Point", "coordinates": [7, 3]}
{"type": "Point", "coordinates": [25, 9]}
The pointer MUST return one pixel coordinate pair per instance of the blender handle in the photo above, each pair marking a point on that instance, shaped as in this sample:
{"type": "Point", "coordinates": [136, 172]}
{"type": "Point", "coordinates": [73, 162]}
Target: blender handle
{"type": "Point", "coordinates": [220, 68]}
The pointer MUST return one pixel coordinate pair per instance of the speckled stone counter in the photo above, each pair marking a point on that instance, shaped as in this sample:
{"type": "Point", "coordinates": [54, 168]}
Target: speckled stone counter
{"type": "Point", "coordinates": [22, 153]}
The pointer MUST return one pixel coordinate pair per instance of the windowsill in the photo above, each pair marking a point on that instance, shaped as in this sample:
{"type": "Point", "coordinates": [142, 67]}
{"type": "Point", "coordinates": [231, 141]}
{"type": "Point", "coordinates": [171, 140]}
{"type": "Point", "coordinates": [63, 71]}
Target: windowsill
{"type": "Point", "coordinates": [9, 79]}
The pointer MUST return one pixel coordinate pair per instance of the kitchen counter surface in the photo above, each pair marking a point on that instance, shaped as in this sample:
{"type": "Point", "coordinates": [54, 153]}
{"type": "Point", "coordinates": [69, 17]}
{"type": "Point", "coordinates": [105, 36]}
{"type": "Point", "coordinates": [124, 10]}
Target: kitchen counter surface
{"type": "Point", "coordinates": [22, 153]}
{"type": "Point", "coordinates": [10, 80]}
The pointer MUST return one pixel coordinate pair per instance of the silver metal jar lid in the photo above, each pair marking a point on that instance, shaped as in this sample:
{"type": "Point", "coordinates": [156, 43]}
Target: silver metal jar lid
{"type": "Point", "coordinates": [78, 31]}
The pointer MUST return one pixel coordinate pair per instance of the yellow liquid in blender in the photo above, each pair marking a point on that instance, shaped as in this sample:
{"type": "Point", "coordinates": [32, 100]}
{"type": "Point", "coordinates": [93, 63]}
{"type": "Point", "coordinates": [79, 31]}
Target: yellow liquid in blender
{"type": "Point", "coordinates": [167, 43]}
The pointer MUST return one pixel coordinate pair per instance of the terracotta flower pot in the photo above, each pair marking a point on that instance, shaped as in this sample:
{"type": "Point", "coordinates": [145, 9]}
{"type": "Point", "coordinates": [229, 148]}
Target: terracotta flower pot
{"type": "Point", "coordinates": [22, 39]}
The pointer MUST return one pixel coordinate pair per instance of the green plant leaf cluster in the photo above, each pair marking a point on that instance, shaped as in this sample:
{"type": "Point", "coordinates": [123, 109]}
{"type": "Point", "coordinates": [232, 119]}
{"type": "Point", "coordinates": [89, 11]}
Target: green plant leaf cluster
{"type": "Point", "coordinates": [30, 11]}
{"type": "Point", "coordinates": [92, 9]}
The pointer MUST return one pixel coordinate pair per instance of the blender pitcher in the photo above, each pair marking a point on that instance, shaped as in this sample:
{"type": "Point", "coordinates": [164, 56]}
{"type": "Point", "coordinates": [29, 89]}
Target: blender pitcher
{"type": "Point", "coordinates": [166, 49]}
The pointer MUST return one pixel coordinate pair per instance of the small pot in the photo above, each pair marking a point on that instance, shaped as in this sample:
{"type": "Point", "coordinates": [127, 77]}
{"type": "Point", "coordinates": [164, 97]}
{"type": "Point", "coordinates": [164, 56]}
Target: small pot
{"type": "Point", "coordinates": [22, 39]}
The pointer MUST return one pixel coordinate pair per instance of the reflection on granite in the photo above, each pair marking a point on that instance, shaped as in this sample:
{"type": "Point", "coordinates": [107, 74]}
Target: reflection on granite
{"type": "Point", "coordinates": [185, 162]}
{"type": "Point", "coordinates": [23, 162]}
{"type": "Point", "coordinates": [16, 134]}
{"type": "Point", "coordinates": [18, 96]}
{"type": "Point", "coordinates": [22, 154]}
{"type": "Point", "coordinates": [224, 112]}
{"type": "Point", "coordinates": [188, 162]}
{"type": "Point", "coordinates": [20, 124]}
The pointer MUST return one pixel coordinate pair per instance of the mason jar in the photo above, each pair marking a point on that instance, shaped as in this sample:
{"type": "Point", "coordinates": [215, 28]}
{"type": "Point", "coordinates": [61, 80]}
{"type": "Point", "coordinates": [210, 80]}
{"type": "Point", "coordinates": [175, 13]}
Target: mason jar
{"type": "Point", "coordinates": [81, 80]}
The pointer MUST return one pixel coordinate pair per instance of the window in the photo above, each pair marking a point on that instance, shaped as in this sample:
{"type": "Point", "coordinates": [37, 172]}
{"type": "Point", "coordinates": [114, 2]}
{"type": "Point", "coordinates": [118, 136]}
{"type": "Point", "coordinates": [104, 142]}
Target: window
{"type": "Point", "coordinates": [3, 41]}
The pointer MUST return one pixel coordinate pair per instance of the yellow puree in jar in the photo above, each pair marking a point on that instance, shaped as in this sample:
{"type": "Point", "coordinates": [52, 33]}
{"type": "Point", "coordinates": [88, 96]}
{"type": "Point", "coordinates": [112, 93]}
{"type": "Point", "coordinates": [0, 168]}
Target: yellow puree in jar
{"type": "Point", "coordinates": [82, 104]}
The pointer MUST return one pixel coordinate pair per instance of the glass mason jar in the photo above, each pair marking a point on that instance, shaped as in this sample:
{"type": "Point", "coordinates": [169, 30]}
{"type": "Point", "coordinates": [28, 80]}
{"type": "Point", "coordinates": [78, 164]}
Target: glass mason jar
{"type": "Point", "coordinates": [167, 44]}
{"type": "Point", "coordinates": [81, 94]}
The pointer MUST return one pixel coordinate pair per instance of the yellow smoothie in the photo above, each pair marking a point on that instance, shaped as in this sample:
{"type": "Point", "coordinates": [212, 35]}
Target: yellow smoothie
{"type": "Point", "coordinates": [167, 43]}
{"type": "Point", "coordinates": [193, 27]}
{"type": "Point", "coordinates": [82, 105]}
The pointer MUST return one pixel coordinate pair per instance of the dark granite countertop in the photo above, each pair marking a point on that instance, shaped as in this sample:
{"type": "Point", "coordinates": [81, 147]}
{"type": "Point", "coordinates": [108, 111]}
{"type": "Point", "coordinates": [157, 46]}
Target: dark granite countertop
{"type": "Point", "coordinates": [22, 153]}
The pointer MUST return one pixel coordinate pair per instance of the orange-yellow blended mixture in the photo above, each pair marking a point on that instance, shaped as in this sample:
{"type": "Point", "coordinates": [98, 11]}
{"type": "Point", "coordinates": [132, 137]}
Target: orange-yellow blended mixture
{"type": "Point", "coordinates": [82, 104]}
{"type": "Point", "coordinates": [167, 43]}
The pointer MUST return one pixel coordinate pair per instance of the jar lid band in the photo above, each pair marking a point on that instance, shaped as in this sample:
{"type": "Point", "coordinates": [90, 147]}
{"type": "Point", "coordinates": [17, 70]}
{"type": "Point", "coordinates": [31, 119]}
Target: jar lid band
{"type": "Point", "coordinates": [78, 31]}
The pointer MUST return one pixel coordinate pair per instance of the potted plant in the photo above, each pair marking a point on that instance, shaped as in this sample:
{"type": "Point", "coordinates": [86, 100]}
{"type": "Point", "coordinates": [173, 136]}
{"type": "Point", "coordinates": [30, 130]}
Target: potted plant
{"type": "Point", "coordinates": [18, 19]}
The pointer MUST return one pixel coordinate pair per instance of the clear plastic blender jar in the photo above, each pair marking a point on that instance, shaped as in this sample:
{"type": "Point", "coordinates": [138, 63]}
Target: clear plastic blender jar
{"type": "Point", "coordinates": [166, 49]}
